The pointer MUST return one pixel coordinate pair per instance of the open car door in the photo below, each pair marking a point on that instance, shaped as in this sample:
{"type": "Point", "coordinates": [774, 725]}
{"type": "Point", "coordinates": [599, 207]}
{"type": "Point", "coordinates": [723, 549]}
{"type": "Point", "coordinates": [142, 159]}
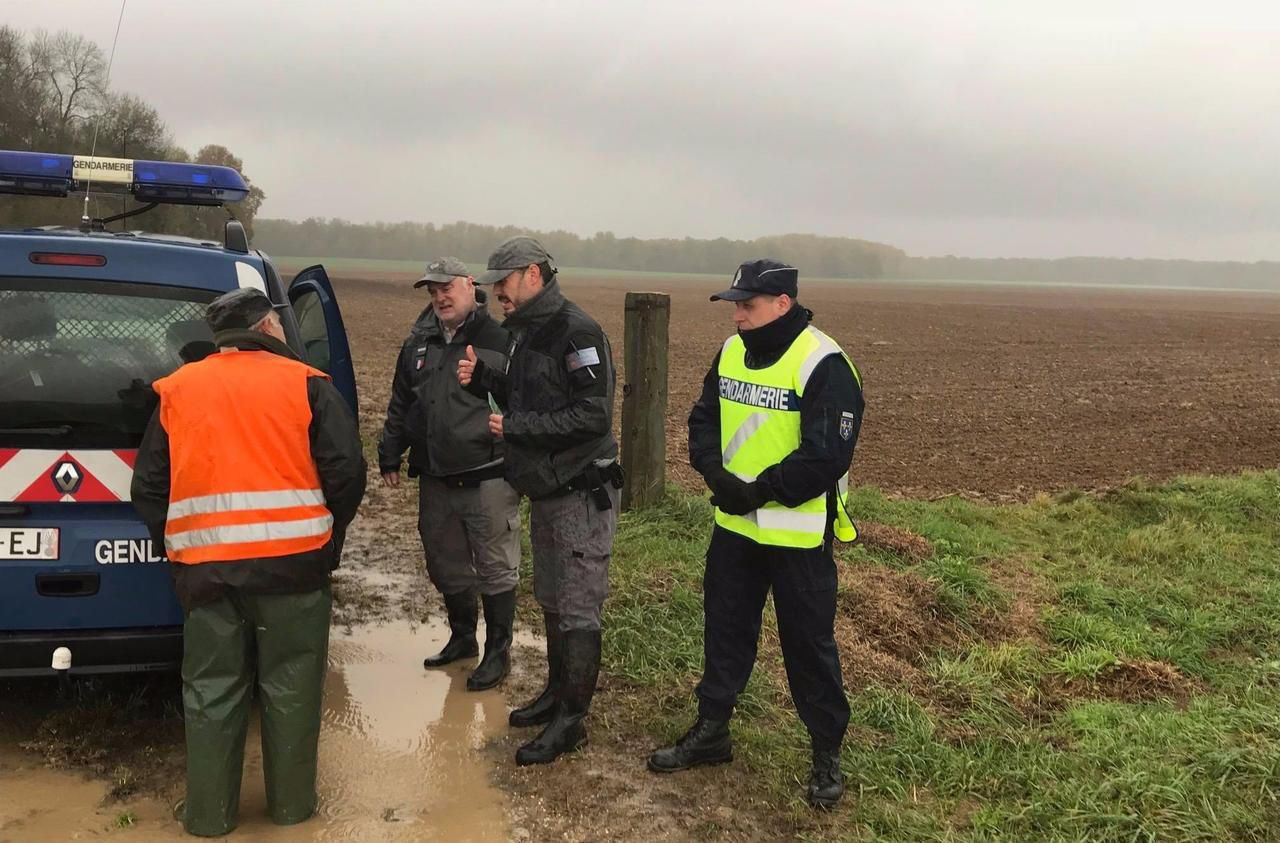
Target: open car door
{"type": "Point", "coordinates": [320, 327]}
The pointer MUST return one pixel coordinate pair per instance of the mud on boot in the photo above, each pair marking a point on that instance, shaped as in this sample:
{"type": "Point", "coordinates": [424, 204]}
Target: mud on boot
{"type": "Point", "coordinates": [826, 781]}
{"type": "Point", "coordinates": [566, 731]}
{"type": "Point", "coordinates": [463, 614]}
{"type": "Point", "coordinates": [542, 708]}
{"type": "Point", "coordinates": [499, 615]}
{"type": "Point", "coordinates": [706, 742]}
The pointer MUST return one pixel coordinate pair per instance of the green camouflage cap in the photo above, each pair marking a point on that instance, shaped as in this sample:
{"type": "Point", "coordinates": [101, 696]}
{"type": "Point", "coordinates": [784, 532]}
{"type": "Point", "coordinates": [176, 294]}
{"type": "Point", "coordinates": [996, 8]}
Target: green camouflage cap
{"type": "Point", "coordinates": [442, 271]}
{"type": "Point", "coordinates": [514, 253]}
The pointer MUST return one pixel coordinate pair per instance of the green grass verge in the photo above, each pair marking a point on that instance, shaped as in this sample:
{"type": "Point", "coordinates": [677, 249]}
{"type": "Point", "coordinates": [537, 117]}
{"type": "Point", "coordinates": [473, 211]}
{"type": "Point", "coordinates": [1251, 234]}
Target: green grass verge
{"type": "Point", "coordinates": [1010, 737]}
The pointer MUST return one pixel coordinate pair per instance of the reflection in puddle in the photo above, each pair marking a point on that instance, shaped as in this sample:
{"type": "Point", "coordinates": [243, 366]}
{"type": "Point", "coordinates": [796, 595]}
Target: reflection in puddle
{"type": "Point", "coordinates": [399, 760]}
{"type": "Point", "coordinates": [401, 744]}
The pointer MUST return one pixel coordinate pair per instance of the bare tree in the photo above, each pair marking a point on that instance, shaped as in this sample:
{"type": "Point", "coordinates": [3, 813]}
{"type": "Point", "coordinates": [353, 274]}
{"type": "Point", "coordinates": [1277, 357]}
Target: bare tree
{"type": "Point", "coordinates": [21, 97]}
{"type": "Point", "coordinates": [54, 97]}
{"type": "Point", "coordinates": [76, 72]}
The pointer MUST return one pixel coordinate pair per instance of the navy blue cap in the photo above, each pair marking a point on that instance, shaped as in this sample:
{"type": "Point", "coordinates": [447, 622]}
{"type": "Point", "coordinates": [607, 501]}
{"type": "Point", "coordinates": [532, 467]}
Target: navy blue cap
{"type": "Point", "coordinates": [764, 277]}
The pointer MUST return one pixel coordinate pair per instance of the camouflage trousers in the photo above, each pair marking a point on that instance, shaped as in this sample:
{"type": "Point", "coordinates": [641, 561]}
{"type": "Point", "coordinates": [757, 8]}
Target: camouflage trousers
{"type": "Point", "coordinates": [572, 543]}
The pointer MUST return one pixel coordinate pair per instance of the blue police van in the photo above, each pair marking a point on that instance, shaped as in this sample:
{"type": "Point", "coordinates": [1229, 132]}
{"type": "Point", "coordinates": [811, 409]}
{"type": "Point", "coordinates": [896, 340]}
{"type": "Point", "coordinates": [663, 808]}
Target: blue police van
{"type": "Point", "coordinates": [89, 318]}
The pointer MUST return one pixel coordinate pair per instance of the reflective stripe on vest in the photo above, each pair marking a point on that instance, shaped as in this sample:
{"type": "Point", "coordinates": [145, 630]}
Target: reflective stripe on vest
{"type": "Point", "coordinates": [266, 531]}
{"type": "Point", "coordinates": [243, 484]}
{"type": "Point", "coordinates": [235, 501]}
{"type": "Point", "coordinates": [760, 425]}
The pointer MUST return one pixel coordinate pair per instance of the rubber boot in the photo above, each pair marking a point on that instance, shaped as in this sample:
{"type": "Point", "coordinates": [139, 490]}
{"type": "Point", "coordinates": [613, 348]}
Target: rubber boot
{"type": "Point", "coordinates": [541, 709]}
{"type": "Point", "coordinates": [706, 742]}
{"type": "Point", "coordinates": [461, 608]}
{"type": "Point", "coordinates": [826, 782]}
{"type": "Point", "coordinates": [566, 732]}
{"type": "Point", "coordinates": [499, 615]}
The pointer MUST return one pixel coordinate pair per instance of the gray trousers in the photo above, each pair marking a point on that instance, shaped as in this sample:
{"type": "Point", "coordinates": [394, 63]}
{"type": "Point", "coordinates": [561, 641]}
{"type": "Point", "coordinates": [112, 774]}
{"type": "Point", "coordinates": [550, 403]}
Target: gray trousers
{"type": "Point", "coordinates": [471, 535]}
{"type": "Point", "coordinates": [572, 544]}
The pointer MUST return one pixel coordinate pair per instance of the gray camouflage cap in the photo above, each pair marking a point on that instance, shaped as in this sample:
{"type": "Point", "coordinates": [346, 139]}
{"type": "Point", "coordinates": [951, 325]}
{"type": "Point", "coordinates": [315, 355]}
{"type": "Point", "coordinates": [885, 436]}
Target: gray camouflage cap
{"type": "Point", "coordinates": [514, 253]}
{"type": "Point", "coordinates": [442, 271]}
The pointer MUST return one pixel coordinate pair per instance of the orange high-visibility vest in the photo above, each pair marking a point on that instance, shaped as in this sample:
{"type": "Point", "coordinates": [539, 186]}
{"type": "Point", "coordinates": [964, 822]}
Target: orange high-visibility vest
{"type": "Point", "coordinates": [243, 484]}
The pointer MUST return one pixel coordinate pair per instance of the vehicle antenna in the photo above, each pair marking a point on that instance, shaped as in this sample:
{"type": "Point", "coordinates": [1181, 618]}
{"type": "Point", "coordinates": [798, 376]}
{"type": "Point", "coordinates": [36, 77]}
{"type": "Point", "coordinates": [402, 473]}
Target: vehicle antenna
{"type": "Point", "coordinates": [93, 150]}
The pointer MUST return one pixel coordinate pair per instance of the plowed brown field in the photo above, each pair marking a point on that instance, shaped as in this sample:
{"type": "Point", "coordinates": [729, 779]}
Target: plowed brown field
{"type": "Point", "coordinates": [993, 391]}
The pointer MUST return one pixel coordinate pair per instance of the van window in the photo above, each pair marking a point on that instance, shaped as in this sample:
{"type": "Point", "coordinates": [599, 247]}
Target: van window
{"type": "Point", "coordinates": [77, 359]}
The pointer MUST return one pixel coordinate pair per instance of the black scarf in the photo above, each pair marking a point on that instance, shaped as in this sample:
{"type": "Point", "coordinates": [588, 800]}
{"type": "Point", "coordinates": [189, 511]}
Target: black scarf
{"type": "Point", "coordinates": [769, 342]}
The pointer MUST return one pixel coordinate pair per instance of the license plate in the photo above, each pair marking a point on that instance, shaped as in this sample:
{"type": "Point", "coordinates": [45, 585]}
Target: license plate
{"type": "Point", "coordinates": [28, 542]}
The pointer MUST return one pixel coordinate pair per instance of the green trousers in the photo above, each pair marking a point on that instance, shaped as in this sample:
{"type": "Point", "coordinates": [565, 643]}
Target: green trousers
{"type": "Point", "coordinates": [276, 644]}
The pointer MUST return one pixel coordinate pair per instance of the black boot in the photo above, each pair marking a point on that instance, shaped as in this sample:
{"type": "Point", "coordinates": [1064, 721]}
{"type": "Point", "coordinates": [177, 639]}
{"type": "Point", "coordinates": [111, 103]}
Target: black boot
{"type": "Point", "coordinates": [566, 732]}
{"type": "Point", "coordinates": [499, 614]}
{"type": "Point", "coordinates": [540, 710]}
{"type": "Point", "coordinates": [826, 782]}
{"type": "Point", "coordinates": [706, 742]}
{"type": "Point", "coordinates": [461, 608]}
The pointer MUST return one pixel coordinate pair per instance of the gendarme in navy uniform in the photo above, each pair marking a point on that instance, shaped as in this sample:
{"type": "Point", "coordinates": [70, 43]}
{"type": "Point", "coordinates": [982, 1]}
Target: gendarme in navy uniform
{"type": "Point", "coordinates": [773, 436]}
{"type": "Point", "coordinates": [553, 407]}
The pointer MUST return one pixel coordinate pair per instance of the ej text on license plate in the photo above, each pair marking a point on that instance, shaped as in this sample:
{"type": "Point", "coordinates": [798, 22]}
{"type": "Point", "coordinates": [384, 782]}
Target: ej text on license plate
{"type": "Point", "coordinates": [28, 542]}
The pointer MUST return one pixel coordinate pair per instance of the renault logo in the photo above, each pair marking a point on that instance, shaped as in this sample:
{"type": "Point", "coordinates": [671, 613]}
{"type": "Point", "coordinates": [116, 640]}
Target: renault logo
{"type": "Point", "coordinates": [67, 477]}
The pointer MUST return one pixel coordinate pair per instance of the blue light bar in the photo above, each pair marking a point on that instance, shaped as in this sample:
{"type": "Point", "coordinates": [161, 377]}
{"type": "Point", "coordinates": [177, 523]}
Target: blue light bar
{"type": "Point", "coordinates": [192, 184]}
{"type": "Point", "coordinates": [167, 182]}
{"type": "Point", "coordinates": [35, 173]}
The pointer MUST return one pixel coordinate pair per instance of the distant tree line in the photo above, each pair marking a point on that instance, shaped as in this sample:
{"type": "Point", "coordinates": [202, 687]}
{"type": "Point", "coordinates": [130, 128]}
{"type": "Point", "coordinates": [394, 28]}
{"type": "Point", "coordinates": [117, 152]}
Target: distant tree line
{"type": "Point", "coordinates": [817, 257]}
{"type": "Point", "coordinates": [54, 96]}
{"type": "Point", "coordinates": [828, 257]}
{"type": "Point", "coordinates": [1140, 271]}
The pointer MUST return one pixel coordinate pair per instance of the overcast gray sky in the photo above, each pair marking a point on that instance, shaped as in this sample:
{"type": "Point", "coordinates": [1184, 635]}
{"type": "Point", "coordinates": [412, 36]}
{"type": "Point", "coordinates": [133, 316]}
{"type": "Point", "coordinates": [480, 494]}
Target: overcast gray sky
{"type": "Point", "coordinates": [1019, 128]}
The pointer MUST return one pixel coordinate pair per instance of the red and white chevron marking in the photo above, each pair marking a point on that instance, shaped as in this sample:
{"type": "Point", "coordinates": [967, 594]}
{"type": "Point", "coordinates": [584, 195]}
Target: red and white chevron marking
{"type": "Point", "coordinates": [26, 475]}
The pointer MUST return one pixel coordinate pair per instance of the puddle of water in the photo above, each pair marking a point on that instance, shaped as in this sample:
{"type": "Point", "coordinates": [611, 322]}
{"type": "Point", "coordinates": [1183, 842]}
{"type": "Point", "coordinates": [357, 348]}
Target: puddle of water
{"type": "Point", "coordinates": [399, 760]}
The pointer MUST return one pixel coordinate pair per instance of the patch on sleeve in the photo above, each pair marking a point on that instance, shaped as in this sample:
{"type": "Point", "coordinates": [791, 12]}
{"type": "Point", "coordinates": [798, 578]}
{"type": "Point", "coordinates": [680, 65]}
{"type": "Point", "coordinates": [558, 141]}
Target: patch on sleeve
{"type": "Point", "coordinates": [846, 426]}
{"type": "Point", "coordinates": [575, 360]}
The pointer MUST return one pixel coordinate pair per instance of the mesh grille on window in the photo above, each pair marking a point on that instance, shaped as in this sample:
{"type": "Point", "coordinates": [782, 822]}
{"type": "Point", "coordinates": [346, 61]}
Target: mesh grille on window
{"type": "Point", "coordinates": [138, 334]}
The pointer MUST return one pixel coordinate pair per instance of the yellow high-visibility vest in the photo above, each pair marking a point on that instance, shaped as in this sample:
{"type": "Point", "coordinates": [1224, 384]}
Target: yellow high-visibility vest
{"type": "Point", "coordinates": [760, 425]}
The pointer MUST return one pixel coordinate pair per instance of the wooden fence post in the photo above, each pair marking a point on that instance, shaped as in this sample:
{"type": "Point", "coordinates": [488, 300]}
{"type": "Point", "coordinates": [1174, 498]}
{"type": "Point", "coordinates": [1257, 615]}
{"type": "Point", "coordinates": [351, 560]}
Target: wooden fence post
{"type": "Point", "coordinates": [644, 399]}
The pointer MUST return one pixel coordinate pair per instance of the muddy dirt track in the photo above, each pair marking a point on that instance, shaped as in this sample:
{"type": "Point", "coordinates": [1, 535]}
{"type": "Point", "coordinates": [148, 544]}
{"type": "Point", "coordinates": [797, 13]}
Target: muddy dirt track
{"type": "Point", "coordinates": [992, 391]}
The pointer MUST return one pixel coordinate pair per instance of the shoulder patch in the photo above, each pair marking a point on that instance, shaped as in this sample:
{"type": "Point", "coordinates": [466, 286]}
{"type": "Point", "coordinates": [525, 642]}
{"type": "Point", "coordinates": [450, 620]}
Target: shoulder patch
{"type": "Point", "coordinates": [575, 360]}
{"type": "Point", "coordinates": [846, 426]}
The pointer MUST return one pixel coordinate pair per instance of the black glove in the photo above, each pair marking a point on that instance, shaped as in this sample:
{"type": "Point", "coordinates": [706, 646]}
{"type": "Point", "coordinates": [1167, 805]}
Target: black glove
{"type": "Point", "coordinates": [734, 496]}
{"type": "Point", "coordinates": [718, 479]}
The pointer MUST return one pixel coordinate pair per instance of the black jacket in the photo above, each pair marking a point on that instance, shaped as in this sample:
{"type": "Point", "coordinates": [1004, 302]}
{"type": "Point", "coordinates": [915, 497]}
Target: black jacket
{"type": "Point", "coordinates": [825, 453]}
{"type": "Point", "coordinates": [556, 395]}
{"type": "Point", "coordinates": [335, 447]}
{"type": "Point", "coordinates": [444, 427]}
